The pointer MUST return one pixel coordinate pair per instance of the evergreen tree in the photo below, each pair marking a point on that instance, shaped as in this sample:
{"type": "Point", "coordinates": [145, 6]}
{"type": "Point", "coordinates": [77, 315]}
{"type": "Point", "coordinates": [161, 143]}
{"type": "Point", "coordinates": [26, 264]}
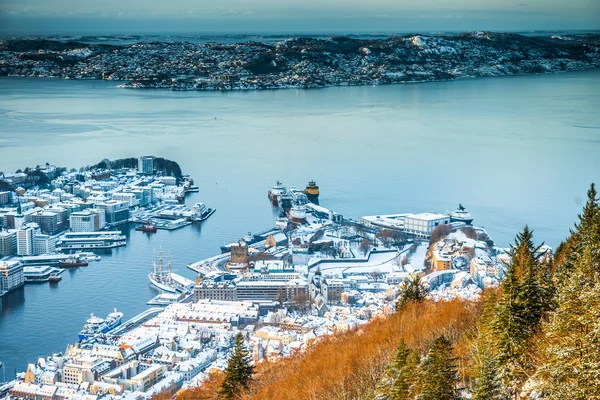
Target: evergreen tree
{"type": "Point", "coordinates": [401, 384]}
{"type": "Point", "coordinates": [439, 375]}
{"type": "Point", "coordinates": [524, 298]}
{"type": "Point", "coordinates": [485, 375]}
{"type": "Point", "coordinates": [238, 372]}
{"type": "Point", "coordinates": [412, 291]}
{"type": "Point", "coordinates": [572, 367]}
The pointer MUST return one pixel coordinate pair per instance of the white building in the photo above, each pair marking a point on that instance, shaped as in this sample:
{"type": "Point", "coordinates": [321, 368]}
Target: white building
{"type": "Point", "coordinates": [11, 275]}
{"type": "Point", "coordinates": [146, 165]}
{"type": "Point", "coordinates": [423, 224]}
{"type": "Point", "coordinates": [83, 221]}
{"type": "Point", "coordinates": [25, 239]}
{"type": "Point", "coordinates": [43, 244]}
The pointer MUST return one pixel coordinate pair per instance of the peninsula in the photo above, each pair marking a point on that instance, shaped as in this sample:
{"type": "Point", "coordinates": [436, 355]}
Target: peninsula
{"type": "Point", "coordinates": [300, 62]}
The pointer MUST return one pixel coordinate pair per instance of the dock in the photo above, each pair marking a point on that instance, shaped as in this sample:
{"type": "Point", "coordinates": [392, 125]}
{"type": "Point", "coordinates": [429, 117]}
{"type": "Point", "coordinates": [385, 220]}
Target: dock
{"type": "Point", "coordinates": [136, 321]}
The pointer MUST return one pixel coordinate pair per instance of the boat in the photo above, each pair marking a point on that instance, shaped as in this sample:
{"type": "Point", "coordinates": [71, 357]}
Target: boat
{"type": "Point", "coordinates": [96, 326]}
{"type": "Point", "coordinates": [275, 192]}
{"type": "Point", "coordinates": [147, 227]}
{"type": "Point", "coordinates": [73, 262]}
{"type": "Point", "coordinates": [202, 211]}
{"type": "Point", "coordinates": [461, 215]}
{"type": "Point", "coordinates": [298, 214]}
{"type": "Point", "coordinates": [54, 278]}
{"type": "Point", "coordinates": [161, 279]}
{"type": "Point", "coordinates": [312, 192]}
{"type": "Point", "coordinates": [285, 201]}
{"type": "Point", "coordinates": [38, 274]}
{"type": "Point", "coordinates": [193, 189]}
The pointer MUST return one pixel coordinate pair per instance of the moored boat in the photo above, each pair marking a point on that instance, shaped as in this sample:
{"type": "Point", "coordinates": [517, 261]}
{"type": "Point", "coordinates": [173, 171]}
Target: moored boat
{"type": "Point", "coordinates": [275, 192]}
{"type": "Point", "coordinates": [461, 215]}
{"type": "Point", "coordinates": [312, 192]}
{"type": "Point", "coordinates": [148, 227]}
{"type": "Point", "coordinates": [73, 262]}
{"type": "Point", "coordinates": [298, 214]}
{"type": "Point", "coordinates": [161, 279]}
{"type": "Point", "coordinates": [95, 325]}
{"type": "Point", "coordinates": [54, 278]}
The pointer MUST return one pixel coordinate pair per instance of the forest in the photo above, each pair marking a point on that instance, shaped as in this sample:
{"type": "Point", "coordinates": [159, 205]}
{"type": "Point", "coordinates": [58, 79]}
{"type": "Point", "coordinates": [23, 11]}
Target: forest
{"type": "Point", "coordinates": [537, 336]}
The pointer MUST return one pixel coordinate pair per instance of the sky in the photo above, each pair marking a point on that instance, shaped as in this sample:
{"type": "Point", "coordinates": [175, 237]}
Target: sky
{"type": "Point", "coordinates": [31, 17]}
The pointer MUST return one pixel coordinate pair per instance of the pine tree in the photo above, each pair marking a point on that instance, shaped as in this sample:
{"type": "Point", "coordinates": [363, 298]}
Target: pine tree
{"type": "Point", "coordinates": [524, 298]}
{"type": "Point", "coordinates": [438, 373]}
{"type": "Point", "coordinates": [485, 375]}
{"type": "Point", "coordinates": [401, 384]}
{"type": "Point", "coordinates": [238, 372]}
{"type": "Point", "coordinates": [572, 367]}
{"type": "Point", "coordinates": [412, 291]}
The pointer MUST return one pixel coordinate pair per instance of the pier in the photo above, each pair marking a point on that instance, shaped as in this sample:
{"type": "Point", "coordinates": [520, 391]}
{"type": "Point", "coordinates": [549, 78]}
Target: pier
{"type": "Point", "coordinates": [136, 321]}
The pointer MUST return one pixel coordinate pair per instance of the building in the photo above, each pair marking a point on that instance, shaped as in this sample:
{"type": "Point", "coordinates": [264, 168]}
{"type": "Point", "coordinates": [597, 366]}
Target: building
{"type": "Point", "coordinates": [4, 197]}
{"type": "Point", "coordinates": [8, 243]}
{"type": "Point", "coordinates": [84, 369]}
{"type": "Point", "coordinates": [11, 275]}
{"type": "Point", "coordinates": [135, 376]}
{"type": "Point", "coordinates": [441, 261]}
{"type": "Point", "coordinates": [99, 218]}
{"type": "Point", "coordinates": [25, 239]}
{"type": "Point", "coordinates": [146, 165]}
{"type": "Point", "coordinates": [83, 221]}
{"type": "Point", "coordinates": [43, 244]}
{"type": "Point", "coordinates": [47, 221]}
{"type": "Point", "coordinates": [423, 224]}
{"type": "Point", "coordinates": [116, 212]}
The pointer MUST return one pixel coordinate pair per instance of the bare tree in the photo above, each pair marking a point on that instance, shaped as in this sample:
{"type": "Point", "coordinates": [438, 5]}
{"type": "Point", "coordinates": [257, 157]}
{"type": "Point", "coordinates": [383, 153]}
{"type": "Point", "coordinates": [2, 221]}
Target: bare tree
{"type": "Point", "coordinates": [376, 275]}
{"type": "Point", "coordinates": [365, 245]}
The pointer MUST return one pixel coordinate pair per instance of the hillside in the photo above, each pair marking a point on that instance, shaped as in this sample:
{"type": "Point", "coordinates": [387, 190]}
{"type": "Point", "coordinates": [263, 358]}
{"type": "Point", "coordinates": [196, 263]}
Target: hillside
{"type": "Point", "coordinates": [537, 336]}
{"type": "Point", "coordinates": [301, 62]}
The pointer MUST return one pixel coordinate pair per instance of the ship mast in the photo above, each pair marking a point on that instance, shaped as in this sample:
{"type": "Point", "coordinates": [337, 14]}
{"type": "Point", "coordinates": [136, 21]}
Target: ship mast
{"type": "Point", "coordinates": [154, 261]}
{"type": "Point", "coordinates": [160, 269]}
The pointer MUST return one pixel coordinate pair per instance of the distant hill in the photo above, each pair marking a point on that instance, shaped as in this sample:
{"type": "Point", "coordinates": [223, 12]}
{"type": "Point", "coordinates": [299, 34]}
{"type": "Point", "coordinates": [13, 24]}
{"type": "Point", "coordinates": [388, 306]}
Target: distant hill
{"type": "Point", "coordinates": [302, 62]}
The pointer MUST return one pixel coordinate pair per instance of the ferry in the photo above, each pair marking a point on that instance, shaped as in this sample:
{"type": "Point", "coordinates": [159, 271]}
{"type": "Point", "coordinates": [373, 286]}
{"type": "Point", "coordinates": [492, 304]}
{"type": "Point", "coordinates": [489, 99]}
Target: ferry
{"type": "Point", "coordinates": [461, 215]}
{"type": "Point", "coordinates": [312, 192]}
{"type": "Point", "coordinates": [275, 192]}
{"type": "Point", "coordinates": [95, 325]}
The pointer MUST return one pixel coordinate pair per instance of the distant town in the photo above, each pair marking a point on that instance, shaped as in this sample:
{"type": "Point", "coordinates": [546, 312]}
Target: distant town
{"type": "Point", "coordinates": [300, 62]}
{"type": "Point", "coordinates": [313, 274]}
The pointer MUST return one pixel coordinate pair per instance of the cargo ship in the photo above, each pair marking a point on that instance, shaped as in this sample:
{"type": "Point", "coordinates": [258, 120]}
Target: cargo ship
{"type": "Point", "coordinates": [277, 190]}
{"type": "Point", "coordinates": [95, 325]}
{"type": "Point", "coordinates": [147, 227]}
{"type": "Point", "coordinates": [298, 214]}
{"type": "Point", "coordinates": [312, 192]}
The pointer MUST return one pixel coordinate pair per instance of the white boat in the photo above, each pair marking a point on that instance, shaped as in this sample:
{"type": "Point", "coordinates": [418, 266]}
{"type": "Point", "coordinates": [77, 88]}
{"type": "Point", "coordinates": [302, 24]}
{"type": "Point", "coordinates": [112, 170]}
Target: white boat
{"type": "Point", "coordinates": [275, 192]}
{"type": "Point", "coordinates": [202, 211]}
{"type": "Point", "coordinates": [95, 325]}
{"type": "Point", "coordinates": [461, 215]}
{"type": "Point", "coordinates": [298, 214]}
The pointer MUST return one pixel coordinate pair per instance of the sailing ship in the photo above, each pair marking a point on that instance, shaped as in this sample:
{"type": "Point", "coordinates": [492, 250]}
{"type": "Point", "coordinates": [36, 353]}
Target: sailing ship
{"type": "Point", "coordinates": [161, 279]}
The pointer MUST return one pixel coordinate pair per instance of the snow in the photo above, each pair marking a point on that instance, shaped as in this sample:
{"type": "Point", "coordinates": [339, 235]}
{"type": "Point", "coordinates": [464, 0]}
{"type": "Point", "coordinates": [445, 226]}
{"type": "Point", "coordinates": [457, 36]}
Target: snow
{"type": "Point", "coordinates": [417, 260]}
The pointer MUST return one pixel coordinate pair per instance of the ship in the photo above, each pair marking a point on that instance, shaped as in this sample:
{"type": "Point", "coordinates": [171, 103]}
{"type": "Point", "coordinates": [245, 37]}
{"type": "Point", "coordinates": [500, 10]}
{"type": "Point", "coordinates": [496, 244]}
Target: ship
{"type": "Point", "coordinates": [202, 211]}
{"type": "Point", "coordinates": [461, 215]}
{"type": "Point", "coordinates": [73, 262]}
{"type": "Point", "coordinates": [312, 192]}
{"type": "Point", "coordinates": [96, 326]}
{"type": "Point", "coordinates": [161, 279]}
{"type": "Point", "coordinates": [285, 202]}
{"type": "Point", "coordinates": [275, 192]}
{"type": "Point", "coordinates": [147, 227]}
{"type": "Point", "coordinates": [298, 214]}
{"type": "Point", "coordinates": [281, 223]}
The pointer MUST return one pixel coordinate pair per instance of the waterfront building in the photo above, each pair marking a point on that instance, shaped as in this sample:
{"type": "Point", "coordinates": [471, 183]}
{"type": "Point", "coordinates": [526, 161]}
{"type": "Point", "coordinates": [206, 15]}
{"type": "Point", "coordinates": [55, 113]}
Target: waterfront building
{"type": "Point", "coordinates": [146, 165]}
{"type": "Point", "coordinates": [99, 218]}
{"type": "Point", "coordinates": [11, 275]}
{"type": "Point", "coordinates": [25, 239]}
{"type": "Point", "coordinates": [83, 221]}
{"type": "Point", "coordinates": [135, 376]}
{"type": "Point", "coordinates": [84, 369]}
{"type": "Point", "coordinates": [43, 244]}
{"type": "Point", "coordinates": [8, 243]}
{"type": "Point", "coordinates": [90, 240]}
{"type": "Point", "coordinates": [116, 212]}
{"type": "Point", "coordinates": [127, 197]}
{"type": "Point", "coordinates": [423, 224]}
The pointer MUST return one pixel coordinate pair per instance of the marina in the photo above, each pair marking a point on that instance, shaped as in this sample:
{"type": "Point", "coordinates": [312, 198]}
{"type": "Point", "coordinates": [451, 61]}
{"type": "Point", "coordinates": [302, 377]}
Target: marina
{"type": "Point", "coordinates": [170, 216]}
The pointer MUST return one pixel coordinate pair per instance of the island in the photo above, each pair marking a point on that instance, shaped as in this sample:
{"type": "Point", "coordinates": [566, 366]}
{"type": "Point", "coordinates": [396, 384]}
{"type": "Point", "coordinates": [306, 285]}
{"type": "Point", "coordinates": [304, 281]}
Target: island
{"type": "Point", "coordinates": [300, 62]}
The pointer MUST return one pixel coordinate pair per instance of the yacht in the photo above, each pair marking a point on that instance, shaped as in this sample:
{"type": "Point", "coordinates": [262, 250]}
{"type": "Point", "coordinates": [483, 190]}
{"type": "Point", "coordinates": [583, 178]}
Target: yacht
{"type": "Point", "coordinates": [461, 215]}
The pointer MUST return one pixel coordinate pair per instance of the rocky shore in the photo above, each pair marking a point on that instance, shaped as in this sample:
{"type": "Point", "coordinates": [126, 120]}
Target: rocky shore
{"type": "Point", "coordinates": [301, 62]}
